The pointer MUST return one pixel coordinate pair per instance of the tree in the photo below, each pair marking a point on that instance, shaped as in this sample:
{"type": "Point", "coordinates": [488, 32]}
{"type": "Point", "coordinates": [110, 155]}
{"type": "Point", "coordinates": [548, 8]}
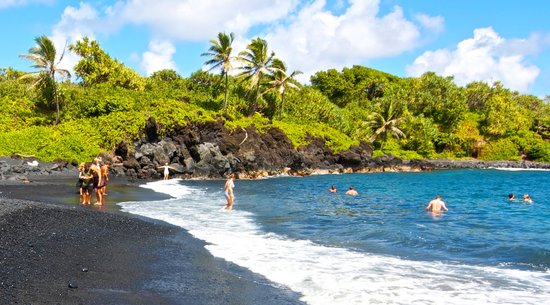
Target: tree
{"type": "Point", "coordinates": [220, 53]}
{"type": "Point", "coordinates": [477, 94]}
{"type": "Point", "coordinates": [385, 122]}
{"type": "Point", "coordinates": [10, 74]}
{"type": "Point", "coordinates": [352, 84]}
{"type": "Point", "coordinates": [438, 98]}
{"type": "Point", "coordinates": [502, 114]}
{"type": "Point", "coordinates": [43, 55]}
{"type": "Point", "coordinates": [166, 75]}
{"type": "Point", "coordinates": [257, 63]}
{"type": "Point", "coordinates": [98, 67]}
{"type": "Point", "coordinates": [281, 81]}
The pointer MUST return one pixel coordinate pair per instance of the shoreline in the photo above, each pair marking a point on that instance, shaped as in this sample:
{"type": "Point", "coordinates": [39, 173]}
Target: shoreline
{"type": "Point", "coordinates": [16, 170]}
{"type": "Point", "coordinates": [58, 252]}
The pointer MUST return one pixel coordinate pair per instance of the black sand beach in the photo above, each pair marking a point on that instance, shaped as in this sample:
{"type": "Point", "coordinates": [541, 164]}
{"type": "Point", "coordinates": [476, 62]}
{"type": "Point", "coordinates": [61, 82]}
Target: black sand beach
{"type": "Point", "coordinates": [55, 251]}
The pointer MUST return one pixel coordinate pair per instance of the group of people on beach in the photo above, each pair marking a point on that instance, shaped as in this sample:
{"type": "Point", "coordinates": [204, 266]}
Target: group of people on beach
{"type": "Point", "coordinates": [93, 178]}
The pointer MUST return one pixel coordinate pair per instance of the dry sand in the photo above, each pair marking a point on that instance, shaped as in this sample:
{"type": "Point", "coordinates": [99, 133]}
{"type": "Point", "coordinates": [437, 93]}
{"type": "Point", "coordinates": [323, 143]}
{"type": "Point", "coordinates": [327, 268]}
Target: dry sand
{"type": "Point", "coordinates": [59, 252]}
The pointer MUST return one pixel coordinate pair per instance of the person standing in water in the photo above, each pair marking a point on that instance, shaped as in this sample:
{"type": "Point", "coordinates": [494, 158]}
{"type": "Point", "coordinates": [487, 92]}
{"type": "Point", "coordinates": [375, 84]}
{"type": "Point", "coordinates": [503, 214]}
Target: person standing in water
{"type": "Point", "coordinates": [166, 170]}
{"type": "Point", "coordinates": [105, 177]}
{"type": "Point", "coordinates": [228, 188]}
{"type": "Point", "coordinates": [98, 180]}
{"type": "Point", "coordinates": [87, 177]}
{"type": "Point", "coordinates": [436, 206]}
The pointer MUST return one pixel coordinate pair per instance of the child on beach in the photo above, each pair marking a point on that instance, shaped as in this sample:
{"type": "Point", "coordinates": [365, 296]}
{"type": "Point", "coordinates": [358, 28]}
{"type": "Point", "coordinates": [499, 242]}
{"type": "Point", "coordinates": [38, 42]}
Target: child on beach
{"type": "Point", "coordinates": [79, 183]}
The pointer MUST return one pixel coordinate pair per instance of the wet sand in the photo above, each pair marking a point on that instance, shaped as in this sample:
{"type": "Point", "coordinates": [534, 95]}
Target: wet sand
{"type": "Point", "coordinates": [55, 251]}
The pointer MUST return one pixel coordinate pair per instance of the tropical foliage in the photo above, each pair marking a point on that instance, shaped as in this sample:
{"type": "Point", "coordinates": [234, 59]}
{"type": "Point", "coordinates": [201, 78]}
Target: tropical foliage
{"type": "Point", "coordinates": [46, 114]}
{"type": "Point", "coordinates": [221, 57]}
{"type": "Point", "coordinates": [44, 56]}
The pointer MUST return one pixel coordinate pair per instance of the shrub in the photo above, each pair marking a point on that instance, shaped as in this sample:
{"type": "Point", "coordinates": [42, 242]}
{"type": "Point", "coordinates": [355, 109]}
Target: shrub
{"type": "Point", "coordinates": [298, 134]}
{"type": "Point", "coordinates": [503, 149]}
{"type": "Point", "coordinates": [540, 152]}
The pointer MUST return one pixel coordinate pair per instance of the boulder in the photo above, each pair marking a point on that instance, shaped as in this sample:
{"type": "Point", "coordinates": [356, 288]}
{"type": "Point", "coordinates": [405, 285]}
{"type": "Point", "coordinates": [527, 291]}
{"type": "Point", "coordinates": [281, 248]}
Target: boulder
{"type": "Point", "coordinates": [132, 164]}
{"type": "Point", "coordinates": [122, 150]}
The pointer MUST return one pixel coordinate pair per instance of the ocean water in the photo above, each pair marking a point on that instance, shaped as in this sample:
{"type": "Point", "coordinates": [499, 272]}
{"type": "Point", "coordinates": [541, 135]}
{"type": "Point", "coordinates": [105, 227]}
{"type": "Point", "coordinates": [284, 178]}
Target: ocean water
{"type": "Point", "coordinates": [380, 247]}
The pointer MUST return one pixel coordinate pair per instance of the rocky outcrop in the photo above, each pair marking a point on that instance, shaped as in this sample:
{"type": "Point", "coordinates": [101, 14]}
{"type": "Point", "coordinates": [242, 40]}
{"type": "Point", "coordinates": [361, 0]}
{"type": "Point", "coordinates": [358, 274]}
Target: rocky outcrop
{"type": "Point", "coordinates": [18, 168]}
{"type": "Point", "coordinates": [210, 150]}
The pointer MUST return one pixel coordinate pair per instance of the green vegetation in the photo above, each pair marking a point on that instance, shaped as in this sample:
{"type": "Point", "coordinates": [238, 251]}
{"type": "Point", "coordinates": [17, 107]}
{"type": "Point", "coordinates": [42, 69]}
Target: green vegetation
{"type": "Point", "coordinates": [44, 114]}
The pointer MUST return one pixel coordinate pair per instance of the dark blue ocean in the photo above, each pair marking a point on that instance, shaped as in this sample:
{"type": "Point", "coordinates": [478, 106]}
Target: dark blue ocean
{"type": "Point", "coordinates": [379, 247]}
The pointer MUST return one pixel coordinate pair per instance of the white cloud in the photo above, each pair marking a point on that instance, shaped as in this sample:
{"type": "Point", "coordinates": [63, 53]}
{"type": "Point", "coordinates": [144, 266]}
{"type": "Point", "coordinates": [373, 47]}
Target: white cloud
{"type": "Point", "coordinates": [435, 24]}
{"type": "Point", "coordinates": [10, 3]}
{"type": "Point", "coordinates": [75, 23]}
{"type": "Point", "coordinates": [158, 57]}
{"type": "Point", "coordinates": [168, 20]}
{"type": "Point", "coordinates": [202, 20]}
{"type": "Point", "coordinates": [485, 57]}
{"type": "Point", "coordinates": [307, 35]}
{"type": "Point", "coordinates": [317, 39]}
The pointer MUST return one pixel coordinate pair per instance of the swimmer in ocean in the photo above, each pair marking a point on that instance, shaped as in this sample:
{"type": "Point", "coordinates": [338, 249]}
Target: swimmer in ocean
{"type": "Point", "coordinates": [436, 206]}
{"type": "Point", "coordinates": [351, 191]}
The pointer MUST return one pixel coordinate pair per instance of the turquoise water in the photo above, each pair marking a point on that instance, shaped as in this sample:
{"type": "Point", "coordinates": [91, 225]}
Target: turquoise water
{"type": "Point", "coordinates": [380, 246]}
{"type": "Point", "coordinates": [481, 227]}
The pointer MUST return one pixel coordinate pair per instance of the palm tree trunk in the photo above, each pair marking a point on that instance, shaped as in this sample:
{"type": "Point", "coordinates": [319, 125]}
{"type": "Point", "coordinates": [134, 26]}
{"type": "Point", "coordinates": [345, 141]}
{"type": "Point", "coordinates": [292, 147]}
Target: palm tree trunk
{"type": "Point", "coordinates": [282, 105]}
{"type": "Point", "coordinates": [226, 89]}
{"type": "Point", "coordinates": [255, 103]}
{"type": "Point", "coordinates": [56, 98]}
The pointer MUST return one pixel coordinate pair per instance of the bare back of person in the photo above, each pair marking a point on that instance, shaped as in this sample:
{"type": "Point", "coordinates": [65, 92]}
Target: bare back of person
{"type": "Point", "coordinates": [436, 206]}
{"type": "Point", "coordinates": [104, 169]}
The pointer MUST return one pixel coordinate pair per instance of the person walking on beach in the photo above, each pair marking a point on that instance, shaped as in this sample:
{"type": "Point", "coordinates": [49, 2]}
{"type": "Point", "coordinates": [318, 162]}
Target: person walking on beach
{"type": "Point", "coordinates": [436, 206]}
{"type": "Point", "coordinates": [228, 188]}
{"type": "Point", "coordinates": [166, 171]}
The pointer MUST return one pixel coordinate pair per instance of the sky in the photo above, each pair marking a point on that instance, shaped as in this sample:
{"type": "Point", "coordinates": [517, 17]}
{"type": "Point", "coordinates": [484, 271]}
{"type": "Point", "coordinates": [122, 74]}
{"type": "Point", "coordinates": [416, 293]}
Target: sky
{"type": "Point", "coordinates": [471, 40]}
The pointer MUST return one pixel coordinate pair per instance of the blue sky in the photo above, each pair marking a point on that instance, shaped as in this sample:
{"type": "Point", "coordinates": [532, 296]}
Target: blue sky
{"type": "Point", "coordinates": [485, 40]}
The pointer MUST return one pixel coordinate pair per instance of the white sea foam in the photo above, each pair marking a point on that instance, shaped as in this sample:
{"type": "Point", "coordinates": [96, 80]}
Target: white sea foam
{"type": "Point", "coordinates": [326, 275]}
{"type": "Point", "coordinates": [517, 169]}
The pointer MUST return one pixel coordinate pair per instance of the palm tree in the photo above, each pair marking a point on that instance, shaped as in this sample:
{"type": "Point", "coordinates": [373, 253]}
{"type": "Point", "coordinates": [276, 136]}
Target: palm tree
{"type": "Point", "coordinates": [43, 55]}
{"type": "Point", "coordinates": [257, 63]}
{"type": "Point", "coordinates": [385, 122]}
{"type": "Point", "coordinates": [280, 81]}
{"type": "Point", "coordinates": [220, 53]}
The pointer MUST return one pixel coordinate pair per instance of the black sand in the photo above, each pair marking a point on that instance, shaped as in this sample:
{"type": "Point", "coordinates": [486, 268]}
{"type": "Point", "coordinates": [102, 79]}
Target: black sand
{"type": "Point", "coordinates": [59, 252]}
